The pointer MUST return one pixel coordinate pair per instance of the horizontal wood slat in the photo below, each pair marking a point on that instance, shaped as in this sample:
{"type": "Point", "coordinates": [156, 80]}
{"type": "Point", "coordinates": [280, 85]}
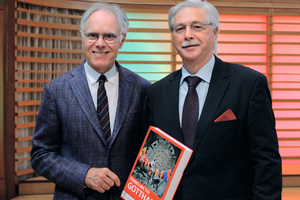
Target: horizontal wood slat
{"type": "Point", "coordinates": [25, 125]}
{"type": "Point", "coordinates": [47, 25]}
{"type": "Point", "coordinates": [289, 139]}
{"type": "Point", "coordinates": [54, 37]}
{"type": "Point", "coordinates": [23, 149]}
{"type": "Point", "coordinates": [145, 62]}
{"type": "Point", "coordinates": [48, 13]}
{"type": "Point", "coordinates": [149, 30]}
{"type": "Point", "coordinates": [158, 41]}
{"type": "Point", "coordinates": [48, 60]}
{"type": "Point", "coordinates": [29, 89]}
{"type": "Point", "coordinates": [24, 172]}
{"type": "Point", "coordinates": [288, 118]}
{"type": "Point", "coordinates": [53, 50]}
{"type": "Point", "coordinates": [244, 54]}
{"type": "Point", "coordinates": [286, 33]}
{"type": "Point", "coordinates": [286, 100]}
{"type": "Point", "coordinates": [32, 81]}
{"type": "Point", "coordinates": [44, 72]}
{"type": "Point", "coordinates": [19, 139]}
{"type": "Point", "coordinates": [27, 113]}
{"type": "Point", "coordinates": [291, 169]}
{"type": "Point", "coordinates": [231, 42]}
{"type": "Point", "coordinates": [28, 103]}
{"type": "Point", "coordinates": [286, 63]}
{"type": "Point", "coordinates": [242, 63]}
{"type": "Point", "coordinates": [287, 109]}
{"type": "Point", "coordinates": [22, 159]}
{"type": "Point", "coordinates": [286, 130]}
{"type": "Point", "coordinates": [245, 32]}
{"type": "Point", "coordinates": [146, 53]}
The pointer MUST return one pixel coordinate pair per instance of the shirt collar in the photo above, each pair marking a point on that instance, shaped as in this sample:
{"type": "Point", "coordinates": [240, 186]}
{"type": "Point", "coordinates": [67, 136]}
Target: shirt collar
{"type": "Point", "coordinates": [93, 75]}
{"type": "Point", "coordinates": [204, 73]}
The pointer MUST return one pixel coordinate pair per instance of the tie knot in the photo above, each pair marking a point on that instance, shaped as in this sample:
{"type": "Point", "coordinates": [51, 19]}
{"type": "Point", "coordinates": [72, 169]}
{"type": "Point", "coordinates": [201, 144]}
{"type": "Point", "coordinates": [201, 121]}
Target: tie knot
{"type": "Point", "coordinates": [102, 78]}
{"type": "Point", "coordinates": [192, 81]}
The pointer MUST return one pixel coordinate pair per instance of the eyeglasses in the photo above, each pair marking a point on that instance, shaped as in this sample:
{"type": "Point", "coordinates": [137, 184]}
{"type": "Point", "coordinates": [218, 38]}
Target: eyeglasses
{"type": "Point", "coordinates": [195, 27]}
{"type": "Point", "coordinates": [107, 37]}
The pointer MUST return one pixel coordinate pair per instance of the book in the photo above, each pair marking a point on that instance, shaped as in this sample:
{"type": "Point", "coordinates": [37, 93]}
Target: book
{"type": "Point", "coordinates": [158, 167]}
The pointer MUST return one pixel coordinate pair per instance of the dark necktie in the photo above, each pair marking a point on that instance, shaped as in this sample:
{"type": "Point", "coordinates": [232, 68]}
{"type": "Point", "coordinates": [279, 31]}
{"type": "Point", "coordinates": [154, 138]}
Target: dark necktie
{"type": "Point", "coordinates": [102, 108]}
{"type": "Point", "coordinates": [190, 111]}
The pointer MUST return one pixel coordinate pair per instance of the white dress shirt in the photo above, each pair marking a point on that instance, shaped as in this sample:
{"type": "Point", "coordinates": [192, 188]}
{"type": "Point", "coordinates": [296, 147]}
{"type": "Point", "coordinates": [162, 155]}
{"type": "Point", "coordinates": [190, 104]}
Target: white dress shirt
{"type": "Point", "coordinates": [205, 74]}
{"type": "Point", "coordinates": [111, 87]}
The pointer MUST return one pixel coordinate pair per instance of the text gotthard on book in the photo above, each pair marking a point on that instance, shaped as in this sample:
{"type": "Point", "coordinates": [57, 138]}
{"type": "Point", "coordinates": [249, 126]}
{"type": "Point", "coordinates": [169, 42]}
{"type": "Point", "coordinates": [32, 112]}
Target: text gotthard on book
{"type": "Point", "coordinates": [158, 167]}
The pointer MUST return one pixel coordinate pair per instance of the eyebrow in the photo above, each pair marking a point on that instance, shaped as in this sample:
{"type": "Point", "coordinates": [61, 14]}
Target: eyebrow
{"type": "Point", "coordinates": [100, 33]}
{"type": "Point", "coordinates": [193, 22]}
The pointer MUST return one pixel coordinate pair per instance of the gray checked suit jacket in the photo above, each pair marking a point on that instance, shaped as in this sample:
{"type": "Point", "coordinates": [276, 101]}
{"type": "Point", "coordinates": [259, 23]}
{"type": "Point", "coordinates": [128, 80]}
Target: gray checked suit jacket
{"type": "Point", "coordinates": [68, 139]}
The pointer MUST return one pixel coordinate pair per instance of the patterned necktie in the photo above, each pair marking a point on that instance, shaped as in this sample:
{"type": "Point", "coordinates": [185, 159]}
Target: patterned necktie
{"type": "Point", "coordinates": [190, 111]}
{"type": "Point", "coordinates": [102, 108]}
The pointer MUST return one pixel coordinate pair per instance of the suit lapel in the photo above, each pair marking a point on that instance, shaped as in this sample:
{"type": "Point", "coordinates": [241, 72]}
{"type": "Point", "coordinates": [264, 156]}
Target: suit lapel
{"type": "Point", "coordinates": [216, 91]}
{"type": "Point", "coordinates": [81, 91]}
{"type": "Point", "coordinates": [125, 90]}
{"type": "Point", "coordinates": [173, 102]}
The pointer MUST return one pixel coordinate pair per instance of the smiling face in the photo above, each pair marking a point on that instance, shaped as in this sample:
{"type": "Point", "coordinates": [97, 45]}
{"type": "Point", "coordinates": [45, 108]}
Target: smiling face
{"type": "Point", "coordinates": [100, 55]}
{"type": "Point", "coordinates": [195, 47]}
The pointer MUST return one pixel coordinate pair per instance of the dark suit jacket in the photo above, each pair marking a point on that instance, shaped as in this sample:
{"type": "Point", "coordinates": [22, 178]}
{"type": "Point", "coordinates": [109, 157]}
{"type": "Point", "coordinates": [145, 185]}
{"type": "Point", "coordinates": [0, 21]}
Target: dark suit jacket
{"type": "Point", "coordinates": [68, 139]}
{"type": "Point", "coordinates": [235, 159]}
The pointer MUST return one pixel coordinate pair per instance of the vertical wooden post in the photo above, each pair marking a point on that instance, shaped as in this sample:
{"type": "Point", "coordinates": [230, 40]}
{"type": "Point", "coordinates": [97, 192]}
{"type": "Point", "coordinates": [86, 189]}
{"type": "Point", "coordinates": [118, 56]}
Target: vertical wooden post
{"type": "Point", "coordinates": [270, 53]}
{"type": "Point", "coordinates": [9, 94]}
{"type": "Point", "coordinates": [2, 165]}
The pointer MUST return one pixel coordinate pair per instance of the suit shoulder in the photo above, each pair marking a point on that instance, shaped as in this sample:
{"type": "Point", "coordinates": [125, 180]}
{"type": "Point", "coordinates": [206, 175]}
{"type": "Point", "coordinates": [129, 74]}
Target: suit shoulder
{"type": "Point", "coordinates": [64, 78]}
{"type": "Point", "coordinates": [240, 68]}
{"type": "Point", "coordinates": [242, 71]}
{"type": "Point", "coordinates": [169, 78]}
{"type": "Point", "coordinates": [137, 78]}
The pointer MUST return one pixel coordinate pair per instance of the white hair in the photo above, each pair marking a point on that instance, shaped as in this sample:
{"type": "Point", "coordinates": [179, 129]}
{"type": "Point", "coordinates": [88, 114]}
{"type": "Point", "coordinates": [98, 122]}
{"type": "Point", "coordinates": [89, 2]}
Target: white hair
{"type": "Point", "coordinates": [211, 17]}
{"type": "Point", "coordinates": [123, 23]}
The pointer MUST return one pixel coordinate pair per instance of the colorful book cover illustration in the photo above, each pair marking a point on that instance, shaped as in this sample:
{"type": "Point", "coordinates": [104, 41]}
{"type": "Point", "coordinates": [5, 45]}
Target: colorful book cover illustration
{"type": "Point", "coordinates": [158, 167]}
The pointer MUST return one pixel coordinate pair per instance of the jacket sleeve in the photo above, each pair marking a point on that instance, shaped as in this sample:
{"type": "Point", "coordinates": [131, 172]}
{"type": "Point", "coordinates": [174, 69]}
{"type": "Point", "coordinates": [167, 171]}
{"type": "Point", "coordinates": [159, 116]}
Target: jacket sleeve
{"type": "Point", "coordinates": [46, 148]}
{"type": "Point", "coordinates": [263, 143]}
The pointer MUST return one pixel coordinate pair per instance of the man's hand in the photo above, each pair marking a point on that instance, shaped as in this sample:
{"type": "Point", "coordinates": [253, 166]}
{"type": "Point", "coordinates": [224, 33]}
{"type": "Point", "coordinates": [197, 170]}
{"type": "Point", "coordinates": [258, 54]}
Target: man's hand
{"type": "Point", "coordinates": [101, 179]}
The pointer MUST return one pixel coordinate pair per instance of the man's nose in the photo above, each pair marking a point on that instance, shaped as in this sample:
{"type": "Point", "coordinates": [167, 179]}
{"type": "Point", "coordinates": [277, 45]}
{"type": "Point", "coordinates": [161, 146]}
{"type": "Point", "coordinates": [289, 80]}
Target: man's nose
{"type": "Point", "coordinates": [188, 33]}
{"type": "Point", "coordinates": [100, 41]}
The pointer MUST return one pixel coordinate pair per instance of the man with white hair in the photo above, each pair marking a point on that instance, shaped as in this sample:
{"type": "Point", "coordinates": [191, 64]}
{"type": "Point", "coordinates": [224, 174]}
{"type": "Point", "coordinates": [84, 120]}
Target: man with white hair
{"type": "Point", "coordinates": [222, 111]}
{"type": "Point", "coordinates": [92, 119]}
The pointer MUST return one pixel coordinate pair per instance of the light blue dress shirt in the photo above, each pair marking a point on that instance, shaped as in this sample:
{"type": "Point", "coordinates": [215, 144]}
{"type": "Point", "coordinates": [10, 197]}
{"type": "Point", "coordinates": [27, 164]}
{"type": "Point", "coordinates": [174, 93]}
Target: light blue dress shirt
{"type": "Point", "coordinates": [205, 74]}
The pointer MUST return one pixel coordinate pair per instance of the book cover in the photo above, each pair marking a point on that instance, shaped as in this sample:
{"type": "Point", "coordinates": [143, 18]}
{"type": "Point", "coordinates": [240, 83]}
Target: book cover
{"type": "Point", "coordinates": [158, 167]}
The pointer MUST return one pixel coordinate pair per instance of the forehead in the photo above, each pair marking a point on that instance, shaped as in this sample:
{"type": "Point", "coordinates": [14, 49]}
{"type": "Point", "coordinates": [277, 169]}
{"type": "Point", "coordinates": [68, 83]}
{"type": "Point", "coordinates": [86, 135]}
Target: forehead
{"type": "Point", "coordinates": [102, 21]}
{"type": "Point", "coordinates": [189, 15]}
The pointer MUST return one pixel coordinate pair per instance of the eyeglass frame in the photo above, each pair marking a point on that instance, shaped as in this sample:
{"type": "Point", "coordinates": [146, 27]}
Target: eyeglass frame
{"type": "Point", "coordinates": [190, 25]}
{"type": "Point", "coordinates": [103, 35]}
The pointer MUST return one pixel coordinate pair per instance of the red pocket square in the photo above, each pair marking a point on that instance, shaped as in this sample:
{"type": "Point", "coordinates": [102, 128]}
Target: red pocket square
{"type": "Point", "coordinates": [226, 116]}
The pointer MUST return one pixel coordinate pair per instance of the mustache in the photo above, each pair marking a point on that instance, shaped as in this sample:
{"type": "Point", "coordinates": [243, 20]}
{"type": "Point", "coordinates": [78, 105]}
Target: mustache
{"type": "Point", "coordinates": [189, 43]}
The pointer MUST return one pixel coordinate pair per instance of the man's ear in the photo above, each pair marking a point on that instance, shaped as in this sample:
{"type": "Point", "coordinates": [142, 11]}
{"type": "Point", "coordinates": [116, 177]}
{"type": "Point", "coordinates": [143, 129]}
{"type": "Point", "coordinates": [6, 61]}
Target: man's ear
{"type": "Point", "coordinates": [215, 33]}
{"type": "Point", "coordinates": [123, 39]}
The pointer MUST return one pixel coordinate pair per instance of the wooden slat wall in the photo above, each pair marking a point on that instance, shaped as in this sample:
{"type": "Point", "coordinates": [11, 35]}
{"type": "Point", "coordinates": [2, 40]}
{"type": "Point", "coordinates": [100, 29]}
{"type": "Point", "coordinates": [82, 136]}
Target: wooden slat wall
{"type": "Point", "coordinates": [286, 89]}
{"type": "Point", "coordinates": [48, 43]}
